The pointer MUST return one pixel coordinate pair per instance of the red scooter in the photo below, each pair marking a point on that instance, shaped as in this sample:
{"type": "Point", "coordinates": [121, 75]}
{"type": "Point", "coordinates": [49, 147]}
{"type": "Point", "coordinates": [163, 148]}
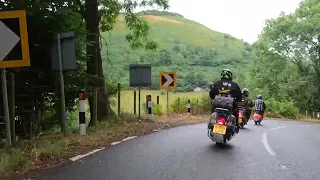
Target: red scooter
{"type": "Point", "coordinates": [257, 118]}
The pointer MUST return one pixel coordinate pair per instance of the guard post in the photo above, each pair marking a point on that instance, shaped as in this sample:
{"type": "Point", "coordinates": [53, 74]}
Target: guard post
{"type": "Point", "coordinates": [82, 113]}
{"type": "Point", "coordinates": [149, 107]}
{"type": "Point", "coordinates": [189, 107]}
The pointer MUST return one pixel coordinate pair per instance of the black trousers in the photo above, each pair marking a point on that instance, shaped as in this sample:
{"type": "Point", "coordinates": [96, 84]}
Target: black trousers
{"type": "Point", "coordinates": [248, 113]}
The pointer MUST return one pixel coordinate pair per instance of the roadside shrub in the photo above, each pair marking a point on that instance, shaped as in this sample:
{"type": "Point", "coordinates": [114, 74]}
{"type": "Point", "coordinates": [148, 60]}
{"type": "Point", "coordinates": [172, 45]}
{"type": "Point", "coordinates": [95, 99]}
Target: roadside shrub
{"type": "Point", "coordinates": [179, 105]}
{"type": "Point", "coordinates": [158, 110]}
{"type": "Point", "coordinates": [285, 109]}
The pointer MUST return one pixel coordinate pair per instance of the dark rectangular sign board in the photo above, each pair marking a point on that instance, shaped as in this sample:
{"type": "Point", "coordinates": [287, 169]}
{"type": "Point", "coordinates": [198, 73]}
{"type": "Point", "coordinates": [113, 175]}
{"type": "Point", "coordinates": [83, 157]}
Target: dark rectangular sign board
{"type": "Point", "coordinates": [68, 53]}
{"type": "Point", "coordinates": [140, 75]}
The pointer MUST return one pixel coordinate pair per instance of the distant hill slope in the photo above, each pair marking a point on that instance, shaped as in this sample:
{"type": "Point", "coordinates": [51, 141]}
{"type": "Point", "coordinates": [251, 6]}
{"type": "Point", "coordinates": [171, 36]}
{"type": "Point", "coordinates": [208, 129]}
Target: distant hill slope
{"type": "Point", "coordinates": [194, 51]}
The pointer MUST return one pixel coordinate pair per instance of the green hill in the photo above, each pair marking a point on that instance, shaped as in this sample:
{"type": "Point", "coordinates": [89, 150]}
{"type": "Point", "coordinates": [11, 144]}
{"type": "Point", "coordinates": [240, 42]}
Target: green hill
{"type": "Point", "coordinates": [194, 51]}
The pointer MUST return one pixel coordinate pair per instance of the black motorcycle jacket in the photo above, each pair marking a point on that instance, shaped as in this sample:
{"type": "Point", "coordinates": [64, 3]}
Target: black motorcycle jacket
{"type": "Point", "coordinates": [227, 87]}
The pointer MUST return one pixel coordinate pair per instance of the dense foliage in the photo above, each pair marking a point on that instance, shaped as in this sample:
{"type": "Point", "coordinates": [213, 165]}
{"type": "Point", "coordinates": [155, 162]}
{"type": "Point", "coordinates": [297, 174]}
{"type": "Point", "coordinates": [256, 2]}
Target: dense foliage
{"type": "Point", "coordinates": [286, 58]}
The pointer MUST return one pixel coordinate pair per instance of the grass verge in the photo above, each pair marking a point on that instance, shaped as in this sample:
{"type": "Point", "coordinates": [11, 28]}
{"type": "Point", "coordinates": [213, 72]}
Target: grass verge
{"type": "Point", "coordinates": [51, 150]}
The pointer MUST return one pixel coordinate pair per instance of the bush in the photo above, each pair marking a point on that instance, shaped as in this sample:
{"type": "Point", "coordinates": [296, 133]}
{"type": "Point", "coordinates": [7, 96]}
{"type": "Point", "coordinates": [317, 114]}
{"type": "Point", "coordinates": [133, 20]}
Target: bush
{"type": "Point", "coordinates": [284, 109]}
{"type": "Point", "coordinates": [158, 110]}
{"type": "Point", "coordinates": [179, 105]}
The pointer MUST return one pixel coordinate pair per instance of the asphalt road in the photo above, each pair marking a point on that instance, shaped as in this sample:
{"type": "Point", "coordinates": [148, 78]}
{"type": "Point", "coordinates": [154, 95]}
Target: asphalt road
{"type": "Point", "coordinates": [275, 150]}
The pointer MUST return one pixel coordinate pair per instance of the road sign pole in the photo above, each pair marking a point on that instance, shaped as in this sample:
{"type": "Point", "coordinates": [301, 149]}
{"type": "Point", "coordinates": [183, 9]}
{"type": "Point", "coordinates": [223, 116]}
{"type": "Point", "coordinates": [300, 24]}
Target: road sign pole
{"type": "Point", "coordinates": [5, 105]}
{"type": "Point", "coordinates": [119, 99]}
{"type": "Point", "coordinates": [12, 108]}
{"type": "Point", "coordinates": [139, 101]}
{"type": "Point", "coordinates": [135, 102]}
{"type": "Point", "coordinates": [63, 105]}
{"type": "Point", "coordinates": [168, 102]}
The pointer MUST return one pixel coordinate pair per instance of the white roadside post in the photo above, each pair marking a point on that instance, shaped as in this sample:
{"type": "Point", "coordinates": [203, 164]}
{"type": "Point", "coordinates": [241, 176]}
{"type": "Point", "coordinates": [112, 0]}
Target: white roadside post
{"type": "Point", "coordinates": [150, 107]}
{"type": "Point", "coordinates": [189, 107]}
{"type": "Point", "coordinates": [82, 114]}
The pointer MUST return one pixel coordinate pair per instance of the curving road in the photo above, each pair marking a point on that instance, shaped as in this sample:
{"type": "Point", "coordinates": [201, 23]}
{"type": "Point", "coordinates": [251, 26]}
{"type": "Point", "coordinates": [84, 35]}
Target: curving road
{"type": "Point", "coordinates": [276, 150]}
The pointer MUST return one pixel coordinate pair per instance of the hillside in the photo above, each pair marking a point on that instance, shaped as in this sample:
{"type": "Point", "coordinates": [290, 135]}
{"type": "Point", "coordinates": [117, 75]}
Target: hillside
{"type": "Point", "coordinates": [194, 51]}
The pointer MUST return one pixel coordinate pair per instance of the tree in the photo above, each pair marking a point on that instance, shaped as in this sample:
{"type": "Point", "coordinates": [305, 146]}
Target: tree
{"type": "Point", "coordinates": [104, 17]}
{"type": "Point", "coordinates": [289, 55]}
{"type": "Point", "coordinates": [165, 57]}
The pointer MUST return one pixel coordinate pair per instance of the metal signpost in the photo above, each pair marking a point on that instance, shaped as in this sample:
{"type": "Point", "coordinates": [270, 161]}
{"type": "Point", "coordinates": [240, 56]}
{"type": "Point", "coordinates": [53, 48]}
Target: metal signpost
{"type": "Point", "coordinates": [63, 58]}
{"type": "Point", "coordinates": [168, 80]}
{"type": "Point", "coordinates": [140, 76]}
{"type": "Point", "coordinates": [13, 39]}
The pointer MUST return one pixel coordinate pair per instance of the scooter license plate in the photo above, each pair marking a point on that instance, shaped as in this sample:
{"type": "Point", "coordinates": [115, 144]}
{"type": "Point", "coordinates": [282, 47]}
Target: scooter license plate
{"type": "Point", "coordinates": [219, 129]}
{"type": "Point", "coordinates": [240, 120]}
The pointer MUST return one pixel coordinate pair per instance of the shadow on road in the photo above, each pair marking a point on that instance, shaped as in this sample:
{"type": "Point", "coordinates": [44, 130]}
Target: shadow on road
{"type": "Point", "coordinates": [245, 129]}
{"type": "Point", "coordinates": [221, 147]}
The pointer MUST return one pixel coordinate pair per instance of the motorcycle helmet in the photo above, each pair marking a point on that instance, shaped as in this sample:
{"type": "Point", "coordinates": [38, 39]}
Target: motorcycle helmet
{"type": "Point", "coordinates": [226, 74]}
{"type": "Point", "coordinates": [259, 97]}
{"type": "Point", "coordinates": [245, 92]}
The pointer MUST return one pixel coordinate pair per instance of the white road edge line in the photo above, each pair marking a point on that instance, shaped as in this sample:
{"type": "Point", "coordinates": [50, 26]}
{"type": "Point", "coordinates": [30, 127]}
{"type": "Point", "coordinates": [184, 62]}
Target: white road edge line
{"type": "Point", "coordinates": [84, 155]}
{"type": "Point", "coordinates": [128, 138]}
{"type": "Point", "coordinates": [266, 144]}
{"type": "Point", "coordinates": [96, 150]}
{"type": "Point", "coordinates": [277, 128]}
{"type": "Point", "coordinates": [115, 143]}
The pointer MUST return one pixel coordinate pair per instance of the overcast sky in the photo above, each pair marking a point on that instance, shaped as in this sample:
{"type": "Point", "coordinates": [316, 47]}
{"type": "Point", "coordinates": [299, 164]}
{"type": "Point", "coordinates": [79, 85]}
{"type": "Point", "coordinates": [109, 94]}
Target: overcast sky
{"type": "Point", "coordinates": [243, 19]}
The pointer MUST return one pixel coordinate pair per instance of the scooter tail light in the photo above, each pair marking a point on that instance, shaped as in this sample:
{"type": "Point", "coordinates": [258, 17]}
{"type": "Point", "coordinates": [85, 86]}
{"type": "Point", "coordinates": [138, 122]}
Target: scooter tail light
{"type": "Point", "coordinates": [221, 120]}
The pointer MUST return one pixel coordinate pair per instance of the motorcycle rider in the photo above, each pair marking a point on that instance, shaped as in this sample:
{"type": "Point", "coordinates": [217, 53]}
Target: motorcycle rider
{"type": "Point", "coordinates": [226, 86]}
{"type": "Point", "coordinates": [259, 106]}
{"type": "Point", "coordinates": [246, 103]}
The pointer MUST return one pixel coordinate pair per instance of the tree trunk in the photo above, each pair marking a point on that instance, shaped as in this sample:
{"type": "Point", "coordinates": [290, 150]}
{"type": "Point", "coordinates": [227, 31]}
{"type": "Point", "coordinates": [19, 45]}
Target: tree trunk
{"type": "Point", "coordinates": [94, 61]}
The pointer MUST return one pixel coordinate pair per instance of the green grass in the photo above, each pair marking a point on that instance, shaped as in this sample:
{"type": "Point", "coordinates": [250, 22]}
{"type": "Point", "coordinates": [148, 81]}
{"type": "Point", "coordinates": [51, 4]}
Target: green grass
{"type": "Point", "coordinates": [12, 159]}
{"type": "Point", "coordinates": [127, 98]}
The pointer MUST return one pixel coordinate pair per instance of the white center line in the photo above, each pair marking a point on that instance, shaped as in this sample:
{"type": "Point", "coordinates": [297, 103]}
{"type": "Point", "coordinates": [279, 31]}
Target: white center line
{"type": "Point", "coordinates": [277, 128]}
{"type": "Point", "coordinates": [266, 144]}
